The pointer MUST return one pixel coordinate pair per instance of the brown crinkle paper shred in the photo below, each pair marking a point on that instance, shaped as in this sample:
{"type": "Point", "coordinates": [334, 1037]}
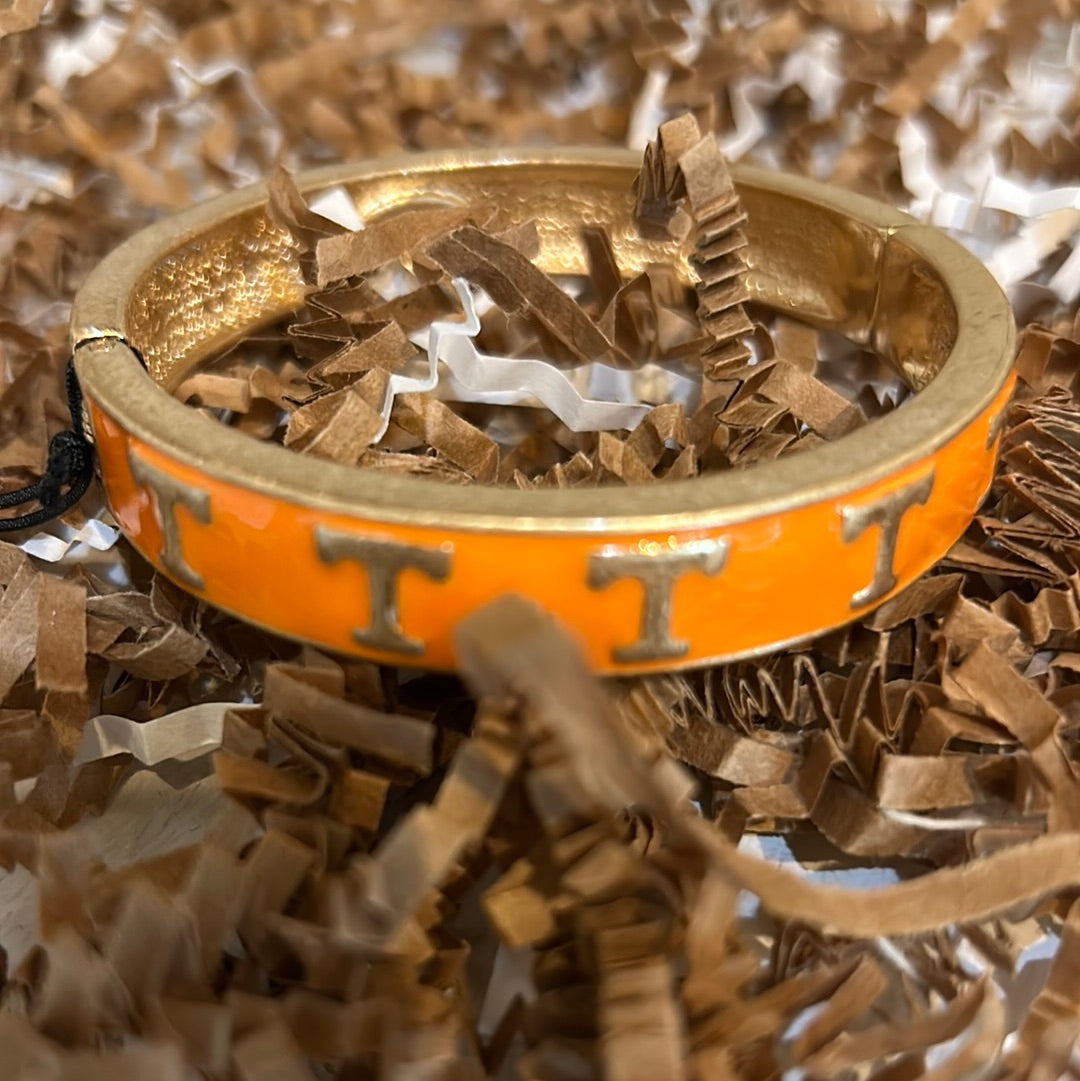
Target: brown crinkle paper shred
{"type": "Point", "coordinates": [226, 856]}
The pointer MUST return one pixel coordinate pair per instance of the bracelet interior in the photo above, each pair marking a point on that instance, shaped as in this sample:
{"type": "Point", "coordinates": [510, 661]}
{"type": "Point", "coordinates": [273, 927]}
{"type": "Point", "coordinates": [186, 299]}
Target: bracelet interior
{"type": "Point", "coordinates": [807, 258]}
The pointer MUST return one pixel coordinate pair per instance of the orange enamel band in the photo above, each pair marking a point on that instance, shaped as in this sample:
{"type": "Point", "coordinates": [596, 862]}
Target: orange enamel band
{"type": "Point", "coordinates": [680, 574]}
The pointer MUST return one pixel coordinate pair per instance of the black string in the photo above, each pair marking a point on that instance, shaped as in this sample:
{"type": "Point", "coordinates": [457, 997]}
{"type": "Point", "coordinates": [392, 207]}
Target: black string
{"type": "Point", "coordinates": [70, 463]}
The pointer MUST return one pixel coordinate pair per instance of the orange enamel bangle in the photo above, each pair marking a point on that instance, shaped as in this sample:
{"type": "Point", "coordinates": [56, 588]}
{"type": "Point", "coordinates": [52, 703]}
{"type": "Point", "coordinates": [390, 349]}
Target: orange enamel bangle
{"type": "Point", "coordinates": [697, 571]}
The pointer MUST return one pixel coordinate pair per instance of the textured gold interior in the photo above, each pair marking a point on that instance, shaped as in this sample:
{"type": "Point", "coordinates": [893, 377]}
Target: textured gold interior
{"type": "Point", "coordinates": [206, 293]}
{"type": "Point", "coordinates": [240, 269]}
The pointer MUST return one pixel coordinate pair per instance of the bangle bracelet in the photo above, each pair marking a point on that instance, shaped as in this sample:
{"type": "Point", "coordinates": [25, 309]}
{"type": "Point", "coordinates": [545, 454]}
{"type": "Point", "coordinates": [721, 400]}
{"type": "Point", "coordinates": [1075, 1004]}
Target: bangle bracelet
{"type": "Point", "coordinates": [697, 571]}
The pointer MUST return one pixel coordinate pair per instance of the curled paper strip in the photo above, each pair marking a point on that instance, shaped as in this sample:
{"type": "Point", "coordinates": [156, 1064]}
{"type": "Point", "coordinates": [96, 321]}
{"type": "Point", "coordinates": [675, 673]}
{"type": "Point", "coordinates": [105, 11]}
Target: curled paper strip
{"type": "Point", "coordinates": [472, 376]}
{"type": "Point", "coordinates": [593, 397]}
{"type": "Point", "coordinates": [186, 733]}
{"type": "Point", "coordinates": [1005, 194]}
{"type": "Point", "coordinates": [51, 548]}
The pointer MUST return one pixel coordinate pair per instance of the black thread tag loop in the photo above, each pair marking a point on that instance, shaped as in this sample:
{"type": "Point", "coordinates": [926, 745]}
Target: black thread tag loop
{"type": "Point", "coordinates": [69, 469]}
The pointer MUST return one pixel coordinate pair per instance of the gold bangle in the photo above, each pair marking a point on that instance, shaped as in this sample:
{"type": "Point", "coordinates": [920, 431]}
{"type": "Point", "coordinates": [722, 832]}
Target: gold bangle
{"type": "Point", "coordinates": [703, 570]}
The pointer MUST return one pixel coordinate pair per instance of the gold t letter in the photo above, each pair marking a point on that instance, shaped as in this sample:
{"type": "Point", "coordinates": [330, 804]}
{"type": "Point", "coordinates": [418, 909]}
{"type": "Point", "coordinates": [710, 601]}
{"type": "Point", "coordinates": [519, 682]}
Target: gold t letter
{"type": "Point", "coordinates": [885, 513]}
{"type": "Point", "coordinates": [168, 492]}
{"type": "Point", "coordinates": [657, 572]}
{"type": "Point", "coordinates": [383, 561]}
